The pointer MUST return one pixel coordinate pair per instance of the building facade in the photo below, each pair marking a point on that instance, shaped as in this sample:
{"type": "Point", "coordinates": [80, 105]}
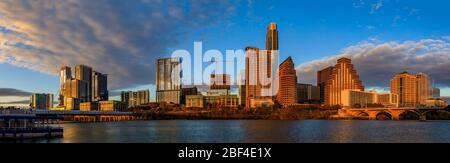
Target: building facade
{"type": "Point", "coordinates": [41, 101]}
{"type": "Point", "coordinates": [86, 86]}
{"type": "Point", "coordinates": [110, 106]}
{"type": "Point", "coordinates": [168, 80]}
{"type": "Point", "coordinates": [261, 81]}
{"type": "Point", "coordinates": [413, 90]}
{"type": "Point", "coordinates": [308, 94]}
{"type": "Point", "coordinates": [89, 106]}
{"type": "Point", "coordinates": [99, 86]}
{"type": "Point", "coordinates": [84, 73]}
{"type": "Point", "coordinates": [186, 92]}
{"type": "Point", "coordinates": [134, 99]}
{"type": "Point", "coordinates": [435, 92]}
{"type": "Point", "coordinates": [322, 77]}
{"type": "Point", "coordinates": [272, 37]}
{"type": "Point", "coordinates": [362, 99]}
{"type": "Point", "coordinates": [287, 91]}
{"type": "Point", "coordinates": [65, 75]}
{"type": "Point", "coordinates": [344, 76]}
{"type": "Point", "coordinates": [388, 99]}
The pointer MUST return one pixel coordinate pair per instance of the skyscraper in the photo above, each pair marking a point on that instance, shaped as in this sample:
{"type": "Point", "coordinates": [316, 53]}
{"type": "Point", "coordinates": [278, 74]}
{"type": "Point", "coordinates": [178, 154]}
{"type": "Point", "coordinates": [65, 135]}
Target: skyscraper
{"type": "Point", "coordinates": [322, 77]}
{"type": "Point", "coordinates": [412, 89]}
{"type": "Point", "coordinates": [168, 80]}
{"type": "Point", "coordinates": [64, 76]}
{"type": "Point", "coordinates": [261, 83]}
{"type": "Point", "coordinates": [423, 87]}
{"type": "Point", "coordinates": [344, 76]}
{"type": "Point", "coordinates": [99, 86]}
{"type": "Point", "coordinates": [40, 101]}
{"type": "Point", "coordinates": [272, 37]}
{"type": "Point", "coordinates": [287, 92]}
{"type": "Point", "coordinates": [84, 73]}
{"type": "Point", "coordinates": [435, 92]}
{"type": "Point", "coordinates": [87, 86]}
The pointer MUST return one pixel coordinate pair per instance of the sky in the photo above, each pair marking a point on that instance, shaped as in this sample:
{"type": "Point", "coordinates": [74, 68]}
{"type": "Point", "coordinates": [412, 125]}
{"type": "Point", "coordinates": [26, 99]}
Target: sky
{"type": "Point", "coordinates": [123, 38]}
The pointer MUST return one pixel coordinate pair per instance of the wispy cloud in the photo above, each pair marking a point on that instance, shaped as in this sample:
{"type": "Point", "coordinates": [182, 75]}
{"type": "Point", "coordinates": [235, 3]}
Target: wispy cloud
{"type": "Point", "coordinates": [376, 7]}
{"type": "Point", "coordinates": [120, 38]}
{"type": "Point", "coordinates": [21, 102]}
{"type": "Point", "coordinates": [358, 4]}
{"type": "Point", "coordinates": [376, 63]}
{"type": "Point", "coordinates": [13, 92]}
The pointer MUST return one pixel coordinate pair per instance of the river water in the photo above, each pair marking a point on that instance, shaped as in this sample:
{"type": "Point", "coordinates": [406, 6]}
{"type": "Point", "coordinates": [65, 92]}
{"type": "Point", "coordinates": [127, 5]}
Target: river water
{"type": "Point", "coordinates": [255, 131]}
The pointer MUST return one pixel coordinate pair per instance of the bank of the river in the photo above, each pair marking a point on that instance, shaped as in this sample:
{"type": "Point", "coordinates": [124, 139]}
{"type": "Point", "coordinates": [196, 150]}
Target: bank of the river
{"type": "Point", "coordinates": [289, 114]}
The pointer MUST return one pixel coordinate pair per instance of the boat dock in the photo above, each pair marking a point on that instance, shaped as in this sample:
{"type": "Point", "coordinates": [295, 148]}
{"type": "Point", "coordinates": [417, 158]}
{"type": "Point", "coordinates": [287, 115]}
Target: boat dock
{"type": "Point", "coordinates": [26, 126]}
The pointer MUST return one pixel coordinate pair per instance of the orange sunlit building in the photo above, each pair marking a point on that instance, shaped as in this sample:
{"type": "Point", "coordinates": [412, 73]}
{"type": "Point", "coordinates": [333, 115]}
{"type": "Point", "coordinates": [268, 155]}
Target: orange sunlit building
{"type": "Point", "coordinates": [412, 89]}
{"type": "Point", "coordinates": [343, 76]}
{"type": "Point", "coordinates": [287, 91]}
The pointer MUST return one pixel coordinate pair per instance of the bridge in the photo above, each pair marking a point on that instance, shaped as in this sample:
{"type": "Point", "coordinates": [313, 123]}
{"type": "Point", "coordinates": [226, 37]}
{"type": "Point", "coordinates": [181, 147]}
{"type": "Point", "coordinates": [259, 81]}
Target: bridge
{"type": "Point", "coordinates": [390, 113]}
{"type": "Point", "coordinates": [76, 115]}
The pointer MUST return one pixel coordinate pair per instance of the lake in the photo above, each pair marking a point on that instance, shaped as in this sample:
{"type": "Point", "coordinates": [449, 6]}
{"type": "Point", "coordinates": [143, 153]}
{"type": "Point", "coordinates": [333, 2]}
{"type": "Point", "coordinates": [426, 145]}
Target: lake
{"type": "Point", "coordinates": [255, 131]}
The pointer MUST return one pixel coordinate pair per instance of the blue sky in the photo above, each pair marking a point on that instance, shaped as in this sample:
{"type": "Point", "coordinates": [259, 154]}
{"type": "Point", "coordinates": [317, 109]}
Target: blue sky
{"type": "Point", "coordinates": [310, 31]}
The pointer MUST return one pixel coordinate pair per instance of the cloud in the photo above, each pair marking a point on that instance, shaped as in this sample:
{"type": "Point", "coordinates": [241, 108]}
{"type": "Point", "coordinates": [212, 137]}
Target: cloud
{"type": "Point", "coordinates": [119, 38]}
{"type": "Point", "coordinates": [358, 4]}
{"type": "Point", "coordinates": [21, 102]}
{"type": "Point", "coordinates": [376, 6]}
{"type": "Point", "coordinates": [13, 92]}
{"type": "Point", "coordinates": [376, 63]}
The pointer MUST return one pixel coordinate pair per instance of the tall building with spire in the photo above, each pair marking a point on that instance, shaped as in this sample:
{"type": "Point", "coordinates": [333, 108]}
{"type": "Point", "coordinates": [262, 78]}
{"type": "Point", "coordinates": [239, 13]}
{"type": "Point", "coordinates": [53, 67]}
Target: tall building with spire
{"type": "Point", "coordinates": [272, 37]}
{"type": "Point", "coordinates": [287, 92]}
{"type": "Point", "coordinates": [343, 76]}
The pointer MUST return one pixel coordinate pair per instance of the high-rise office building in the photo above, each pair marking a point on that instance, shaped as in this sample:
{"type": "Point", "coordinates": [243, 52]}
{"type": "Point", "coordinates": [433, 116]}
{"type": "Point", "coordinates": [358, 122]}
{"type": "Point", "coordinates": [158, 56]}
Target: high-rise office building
{"type": "Point", "coordinates": [287, 91]}
{"type": "Point", "coordinates": [423, 88]}
{"type": "Point", "coordinates": [272, 37]}
{"type": "Point", "coordinates": [99, 86]}
{"type": "Point", "coordinates": [84, 73]}
{"type": "Point", "coordinates": [40, 101]}
{"type": "Point", "coordinates": [261, 81]}
{"type": "Point", "coordinates": [344, 76]}
{"type": "Point", "coordinates": [241, 84]}
{"type": "Point", "coordinates": [435, 92]}
{"type": "Point", "coordinates": [64, 76]}
{"type": "Point", "coordinates": [86, 86]}
{"type": "Point", "coordinates": [78, 89]}
{"type": "Point", "coordinates": [412, 89]}
{"type": "Point", "coordinates": [137, 98]}
{"type": "Point", "coordinates": [307, 93]}
{"type": "Point", "coordinates": [168, 80]}
{"type": "Point", "coordinates": [322, 77]}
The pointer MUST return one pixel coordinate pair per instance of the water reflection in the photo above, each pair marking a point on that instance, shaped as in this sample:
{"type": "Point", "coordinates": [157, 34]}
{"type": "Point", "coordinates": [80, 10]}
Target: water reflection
{"type": "Point", "coordinates": [241, 131]}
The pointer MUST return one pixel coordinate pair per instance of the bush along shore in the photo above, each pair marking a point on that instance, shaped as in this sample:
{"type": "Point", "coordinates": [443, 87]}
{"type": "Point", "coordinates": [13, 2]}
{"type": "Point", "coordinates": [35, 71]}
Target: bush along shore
{"type": "Point", "coordinates": [226, 114]}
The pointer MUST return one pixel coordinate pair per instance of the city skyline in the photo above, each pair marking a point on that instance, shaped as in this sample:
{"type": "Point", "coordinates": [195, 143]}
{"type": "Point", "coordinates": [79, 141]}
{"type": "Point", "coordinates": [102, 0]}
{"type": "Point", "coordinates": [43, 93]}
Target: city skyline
{"type": "Point", "coordinates": [366, 51]}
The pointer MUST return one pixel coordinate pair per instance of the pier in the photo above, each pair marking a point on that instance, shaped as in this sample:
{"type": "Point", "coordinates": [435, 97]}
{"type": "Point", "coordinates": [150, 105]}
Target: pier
{"type": "Point", "coordinates": [25, 126]}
